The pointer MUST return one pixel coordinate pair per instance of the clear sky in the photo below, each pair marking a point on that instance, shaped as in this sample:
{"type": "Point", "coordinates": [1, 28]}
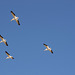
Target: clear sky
{"type": "Point", "coordinates": [43, 21]}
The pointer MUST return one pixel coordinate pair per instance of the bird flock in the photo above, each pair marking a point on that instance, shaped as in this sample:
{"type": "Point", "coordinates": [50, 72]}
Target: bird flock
{"type": "Point", "coordinates": [5, 42]}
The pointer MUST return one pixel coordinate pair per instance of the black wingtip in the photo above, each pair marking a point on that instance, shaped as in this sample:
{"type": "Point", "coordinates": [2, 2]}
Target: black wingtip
{"type": "Point", "coordinates": [51, 51]}
{"type": "Point", "coordinates": [13, 58]}
{"type": "Point", "coordinates": [45, 44]}
{"type": "Point", "coordinates": [19, 24]}
{"type": "Point", "coordinates": [5, 51]}
{"type": "Point", "coordinates": [11, 11]}
{"type": "Point", "coordinates": [6, 44]}
{"type": "Point", "coordinates": [1, 36]}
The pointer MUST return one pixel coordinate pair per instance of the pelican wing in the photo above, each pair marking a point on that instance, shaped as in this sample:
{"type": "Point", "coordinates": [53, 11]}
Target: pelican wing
{"type": "Point", "coordinates": [12, 58]}
{"type": "Point", "coordinates": [13, 14]}
{"type": "Point", "coordinates": [1, 37]}
{"type": "Point", "coordinates": [51, 51]}
{"type": "Point", "coordinates": [18, 22]}
{"type": "Point", "coordinates": [7, 53]}
{"type": "Point", "coordinates": [6, 43]}
{"type": "Point", "coordinates": [45, 45]}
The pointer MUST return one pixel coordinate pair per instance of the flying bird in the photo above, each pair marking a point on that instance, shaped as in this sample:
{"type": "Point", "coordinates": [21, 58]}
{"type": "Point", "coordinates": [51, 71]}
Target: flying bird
{"type": "Point", "coordinates": [15, 18]}
{"type": "Point", "coordinates": [47, 48]}
{"type": "Point", "coordinates": [3, 40]}
{"type": "Point", "coordinates": [8, 55]}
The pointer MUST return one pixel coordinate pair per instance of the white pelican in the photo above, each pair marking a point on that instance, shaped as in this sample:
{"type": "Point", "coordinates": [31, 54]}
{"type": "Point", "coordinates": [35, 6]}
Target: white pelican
{"type": "Point", "coordinates": [3, 40]}
{"type": "Point", "coordinates": [15, 18]}
{"type": "Point", "coordinates": [8, 55]}
{"type": "Point", "coordinates": [47, 48]}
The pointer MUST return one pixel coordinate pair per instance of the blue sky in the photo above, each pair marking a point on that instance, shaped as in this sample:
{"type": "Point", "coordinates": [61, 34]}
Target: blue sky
{"type": "Point", "coordinates": [43, 21]}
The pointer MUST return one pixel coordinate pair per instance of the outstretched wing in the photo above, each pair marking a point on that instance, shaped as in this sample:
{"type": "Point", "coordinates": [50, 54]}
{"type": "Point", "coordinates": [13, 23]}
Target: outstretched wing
{"type": "Point", "coordinates": [13, 14]}
{"type": "Point", "coordinates": [1, 37]}
{"type": "Point", "coordinates": [7, 53]}
{"type": "Point", "coordinates": [12, 58]}
{"type": "Point", "coordinates": [18, 22]}
{"type": "Point", "coordinates": [45, 45]}
{"type": "Point", "coordinates": [6, 43]}
{"type": "Point", "coordinates": [51, 51]}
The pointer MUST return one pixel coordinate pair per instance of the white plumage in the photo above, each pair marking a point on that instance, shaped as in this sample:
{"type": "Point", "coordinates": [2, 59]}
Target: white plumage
{"type": "Point", "coordinates": [3, 40]}
{"type": "Point", "coordinates": [8, 55]}
{"type": "Point", "coordinates": [15, 18]}
{"type": "Point", "coordinates": [47, 48]}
